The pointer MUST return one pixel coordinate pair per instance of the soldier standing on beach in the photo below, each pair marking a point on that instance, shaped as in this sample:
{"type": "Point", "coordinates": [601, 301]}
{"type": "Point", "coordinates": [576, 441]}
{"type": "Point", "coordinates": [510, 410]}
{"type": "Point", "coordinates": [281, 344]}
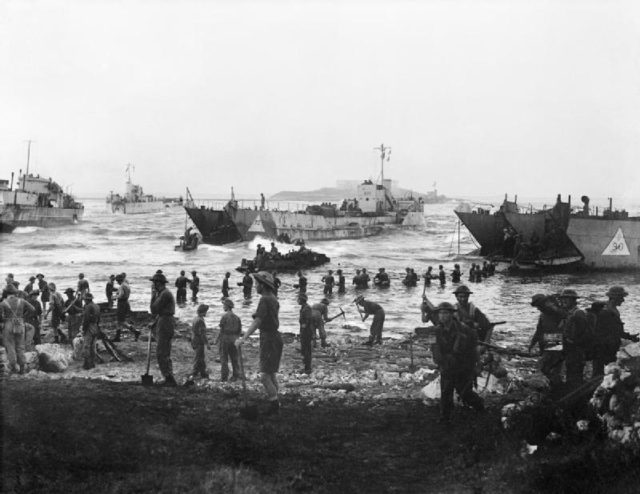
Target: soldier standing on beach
{"type": "Point", "coordinates": [123, 308]}
{"type": "Point", "coordinates": [371, 308]}
{"type": "Point", "coordinates": [36, 318]}
{"type": "Point", "coordinates": [267, 319]}
{"type": "Point", "coordinates": [455, 354]}
{"type": "Point", "coordinates": [90, 331]}
{"type": "Point", "coordinates": [575, 338]}
{"type": "Point", "coordinates": [198, 342]}
{"type": "Point", "coordinates": [83, 286]}
{"type": "Point", "coordinates": [230, 330]}
{"type": "Point", "coordinates": [13, 311]}
{"type": "Point", "coordinates": [306, 332]}
{"type": "Point", "coordinates": [109, 290]}
{"type": "Point", "coordinates": [163, 306]}
{"type": "Point", "coordinates": [57, 308]}
{"type": "Point", "coordinates": [328, 281]}
{"type": "Point", "coordinates": [320, 314]}
{"type": "Point", "coordinates": [44, 290]}
{"type": "Point", "coordinates": [610, 330]}
{"type": "Point", "coordinates": [73, 309]}
{"type": "Point", "coordinates": [469, 314]}
{"type": "Point", "coordinates": [548, 335]}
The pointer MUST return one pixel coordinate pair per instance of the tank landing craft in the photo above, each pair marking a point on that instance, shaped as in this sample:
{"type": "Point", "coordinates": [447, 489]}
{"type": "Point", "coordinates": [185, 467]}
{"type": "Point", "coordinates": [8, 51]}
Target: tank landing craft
{"type": "Point", "coordinates": [606, 242]}
{"type": "Point", "coordinates": [290, 262]}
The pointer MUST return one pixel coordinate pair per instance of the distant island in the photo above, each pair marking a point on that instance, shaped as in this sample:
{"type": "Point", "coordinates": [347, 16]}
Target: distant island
{"type": "Point", "coordinates": [337, 194]}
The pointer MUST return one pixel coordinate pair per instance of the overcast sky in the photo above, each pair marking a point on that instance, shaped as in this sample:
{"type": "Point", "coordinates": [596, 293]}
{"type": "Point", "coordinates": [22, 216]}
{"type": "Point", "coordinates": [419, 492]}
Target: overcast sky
{"type": "Point", "coordinates": [483, 97]}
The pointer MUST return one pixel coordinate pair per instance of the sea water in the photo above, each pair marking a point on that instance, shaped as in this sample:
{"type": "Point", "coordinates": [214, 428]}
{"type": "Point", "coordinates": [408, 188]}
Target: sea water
{"type": "Point", "coordinates": [104, 243]}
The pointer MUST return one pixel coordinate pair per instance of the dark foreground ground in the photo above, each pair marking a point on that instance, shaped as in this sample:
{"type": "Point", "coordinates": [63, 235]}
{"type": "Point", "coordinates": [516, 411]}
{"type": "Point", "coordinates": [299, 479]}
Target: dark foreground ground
{"type": "Point", "coordinates": [79, 435]}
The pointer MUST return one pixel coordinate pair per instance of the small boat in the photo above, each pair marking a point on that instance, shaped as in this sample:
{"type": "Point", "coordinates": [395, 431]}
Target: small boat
{"type": "Point", "coordinates": [189, 241]}
{"type": "Point", "coordinates": [290, 262]}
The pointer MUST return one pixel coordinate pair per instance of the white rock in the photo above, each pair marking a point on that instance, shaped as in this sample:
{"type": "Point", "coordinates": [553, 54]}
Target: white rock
{"type": "Point", "coordinates": [432, 390]}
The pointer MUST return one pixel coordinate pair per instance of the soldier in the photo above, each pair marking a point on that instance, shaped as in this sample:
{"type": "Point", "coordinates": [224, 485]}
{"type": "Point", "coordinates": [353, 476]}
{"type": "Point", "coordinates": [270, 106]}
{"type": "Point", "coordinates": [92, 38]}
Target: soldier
{"type": "Point", "coordinates": [575, 337]}
{"type": "Point", "coordinates": [109, 290]}
{"type": "Point", "coordinates": [357, 279]}
{"type": "Point", "coordinates": [230, 330]}
{"type": "Point", "coordinates": [328, 281]}
{"type": "Point", "coordinates": [194, 285]}
{"type": "Point", "coordinates": [225, 285]}
{"type": "Point", "coordinates": [90, 331]}
{"type": "Point", "coordinates": [28, 288]}
{"type": "Point", "coordinates": [13, 311]}
{"type": "Point", "coordinates": [381, 279]}
{"type": "Point", "coordinates": [73, 309]}
{"type": "Point", "coordinates": [58, 314]}
{"type": "Point", "coordinates": [319, 315]}
{"type": "Point", "coordinates": [302, 283]}
{"type": "Point", "coordinates": [609, 330]}
{"type": "Point", "coordinates": [548, 334]}
{"type": "Point", "coordinates": [36, 318]}
{"type": "Point", "coordinates": [181, 288]}
{"type": "Point", "coordinates": [247, 285]}
{"type": "Point", "coordinates": [163, 306]}
{"type": "Point", "coordinates": [455, 354]}
{"type": "Point", "coordinates": [44, 290]}
{"type": "Point", "coordinates": [467, 313]}
{"type": "Point", "coordinates": [123, 308]}
{"type": "Point", "coordinates": [306, 331]}
{"type": "Point", "coordinates": [198, 342]}
{"type": "Point", "coordinates": [267, 319]}
{"type": "Point", "coordinates": [83, 286]}
{"type": "Point", "coordinates": [456, 274]}
{"type": "Point", "coordinates": [442, 276]}
{"type": "Point", "coordinates": [371, 308]}
{"type": "Point", "coordinates": [341, 281]}
{"type": "Point", "coordinates": [276, 282]}
{"type": "Point", "coordinates": [365, 279]}
{"type": "Point", "coordinates": [408, 279]}
{"type": "Point", "coordinates": [428, 276]}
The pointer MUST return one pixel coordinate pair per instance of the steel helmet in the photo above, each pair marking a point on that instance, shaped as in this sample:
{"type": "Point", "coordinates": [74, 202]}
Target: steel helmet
{"type": "Point", "coordinates": [462, 289]}
{"type": "Point", "coordinates": [617, 291]}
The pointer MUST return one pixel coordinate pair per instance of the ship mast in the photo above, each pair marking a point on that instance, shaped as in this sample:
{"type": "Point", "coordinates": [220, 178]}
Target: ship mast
{"type": "Point", "coordinates": [385, 152]}
{"type": "Point", "coordinates": [129, 168]}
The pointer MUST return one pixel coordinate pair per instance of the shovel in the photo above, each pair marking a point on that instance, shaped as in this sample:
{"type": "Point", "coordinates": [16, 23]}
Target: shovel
{"type": "Point", "coordinates": [147, 379]}
{"type": "Point", "coordinates": [247, 412]}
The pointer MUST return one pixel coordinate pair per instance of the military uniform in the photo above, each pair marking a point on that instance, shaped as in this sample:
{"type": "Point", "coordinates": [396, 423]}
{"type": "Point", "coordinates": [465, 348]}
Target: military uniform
{"type": "Point", "coordinates": [456, 355]}
{"type": "Point", "coordinates": [163, 305]}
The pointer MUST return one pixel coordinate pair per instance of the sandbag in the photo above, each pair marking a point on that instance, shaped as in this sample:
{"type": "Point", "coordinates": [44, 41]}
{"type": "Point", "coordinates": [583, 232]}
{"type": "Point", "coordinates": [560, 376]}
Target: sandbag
{"type": "Point", "coordinates": [53, 357]}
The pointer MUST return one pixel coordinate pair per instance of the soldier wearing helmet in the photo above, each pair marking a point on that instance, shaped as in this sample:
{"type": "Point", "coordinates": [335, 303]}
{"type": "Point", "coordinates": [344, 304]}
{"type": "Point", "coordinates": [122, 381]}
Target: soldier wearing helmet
{"type": "Point", "coordinates": [610, 330]}
{"type": "Point", "coordinates": [163, 306]}
{"type": "Point", "coordinates": [548, 335]}
{"type": "Point", "coordinates": [306, 331]}
{"type": "Point", "coordinates": [575, 334]}
{"type": "Point", "coordinates": [454, 351]}
{"type": "Point", "coordinates": [469, 314]}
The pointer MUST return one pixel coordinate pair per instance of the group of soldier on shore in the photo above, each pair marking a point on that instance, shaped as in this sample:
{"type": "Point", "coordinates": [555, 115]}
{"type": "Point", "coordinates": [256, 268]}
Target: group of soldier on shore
{"type": "Point", "coordinates": [565, 334]}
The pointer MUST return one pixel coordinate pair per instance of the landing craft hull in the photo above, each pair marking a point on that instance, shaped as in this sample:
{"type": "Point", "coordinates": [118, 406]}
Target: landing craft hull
{"type": "Point", "coordinates": [13, 216]}
{"type": "Point", "coordinates": [301, 225]}
{"type": "Point", "coordinates": [487, 229]}
{"type": "Point", "coordinates": [215, 226]}
{"type": "Point", "coordinates": [608, 244]}
{"type": "Point", "coordinates": [142, 207]}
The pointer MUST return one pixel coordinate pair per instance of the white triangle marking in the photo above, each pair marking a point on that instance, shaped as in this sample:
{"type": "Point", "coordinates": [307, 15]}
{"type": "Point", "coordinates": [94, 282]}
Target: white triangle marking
{"type": "Point", "coordinates": [257, 226]}
{"type": "Point", "coordinates": [617, 246]}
